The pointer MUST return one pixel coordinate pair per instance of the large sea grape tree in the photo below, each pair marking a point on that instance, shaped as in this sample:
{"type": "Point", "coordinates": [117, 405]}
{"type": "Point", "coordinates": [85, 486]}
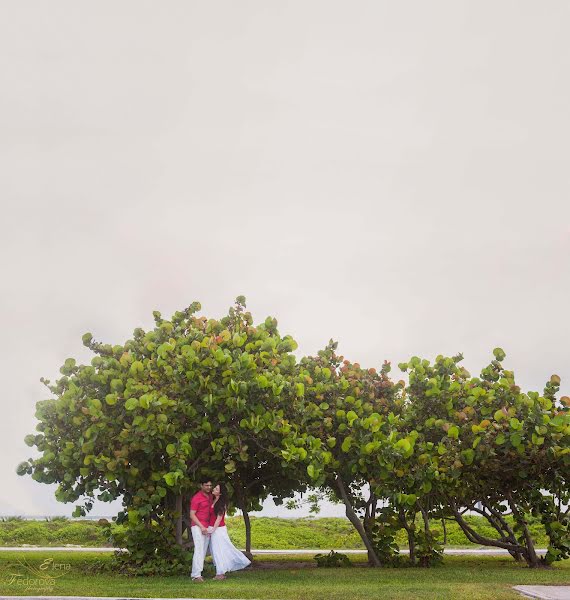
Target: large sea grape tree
{"type": "Point", "coordinates": [353, 437]}
{"type": "Point", "coordinates": [149, 418]}
{"type": "Point", "coordinates": [445, 446]}
{"type": "Point", "coordinates": [344, 419]}
{"type": "Point", "coordinates": [486, 447]}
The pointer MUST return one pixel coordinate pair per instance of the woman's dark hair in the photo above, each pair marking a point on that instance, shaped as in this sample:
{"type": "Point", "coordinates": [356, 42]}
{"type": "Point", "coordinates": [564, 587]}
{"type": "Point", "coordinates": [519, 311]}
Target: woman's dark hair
{"type": "Point", "coordinates": [222, 502]}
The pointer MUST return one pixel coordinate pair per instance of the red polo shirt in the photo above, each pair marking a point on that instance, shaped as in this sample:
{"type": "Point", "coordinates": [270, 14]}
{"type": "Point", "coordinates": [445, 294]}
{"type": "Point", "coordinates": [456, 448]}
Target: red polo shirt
{"type": "Point", "coordinates": [202, 504]}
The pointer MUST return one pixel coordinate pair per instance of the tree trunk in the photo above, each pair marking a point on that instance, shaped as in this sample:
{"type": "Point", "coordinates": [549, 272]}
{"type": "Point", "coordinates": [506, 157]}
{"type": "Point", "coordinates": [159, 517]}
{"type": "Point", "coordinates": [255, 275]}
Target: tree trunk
{"type": "Point", "coordinates": [497, 520]}
{"type": "Point", "coordinates": [242, 504]}
{"type": "Point", "coordinates": [527, 551]}
{"type": "Point", "coordinates": [369, 519]}
{"type": "Point", "coordinates": [247, 524]}
{"type": "Point", "coordinates": [410, 534]}
{"type": "Point", "coordinates": [179, 515]}
{"type": "Point", "coordinates": [425, 517]}
{"type": "Point", "coordinates": [425, 560]}
{"type": "Point", "coordinates": [533, 560]}
{"type": "Point", "coordinates": [353, 518]}
{"type": "Point", "coordinates": [186, 523]}
{"type": "Point", "coordinates": [530, 555]}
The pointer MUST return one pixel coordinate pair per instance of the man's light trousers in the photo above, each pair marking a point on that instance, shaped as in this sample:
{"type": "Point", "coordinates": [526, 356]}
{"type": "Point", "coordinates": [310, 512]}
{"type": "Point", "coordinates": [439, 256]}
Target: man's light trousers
{"type": "Point", "coordinates": [201, 543]}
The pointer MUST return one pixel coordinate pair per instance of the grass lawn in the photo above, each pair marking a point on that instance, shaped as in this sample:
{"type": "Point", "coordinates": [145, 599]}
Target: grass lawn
{"type": "Point", "coordinates": [287, 578]}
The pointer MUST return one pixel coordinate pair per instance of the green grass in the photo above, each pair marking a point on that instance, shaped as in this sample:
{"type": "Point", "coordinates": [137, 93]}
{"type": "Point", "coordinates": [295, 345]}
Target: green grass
{"type": "Point", "coordinates": [294, 578]}
{"type": "Point", "coordinates": [267, 533]}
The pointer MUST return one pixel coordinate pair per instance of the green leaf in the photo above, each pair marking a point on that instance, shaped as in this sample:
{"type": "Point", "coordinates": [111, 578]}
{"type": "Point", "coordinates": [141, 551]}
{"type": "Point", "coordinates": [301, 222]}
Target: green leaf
{"type": "Point", "coordinates": [560, 420]}
{"type": "Point", "coordinates": [453, 432]}
{"type": "Point", "coordinates": [117, 385]}
{"type": "Point", "coordinates": [238, 340]}
{"type": "Point", "coordinates": [131, 403]}
{"type": "Point", "coordinates": [351, 416]}
{"type": "Point", "coordinates": [404, 444]}
{"type": "Point", "coordinates": [95, 404]}
{"type": "Point", "coordinates": [467, 456]}
{"type": "Point", "coordinates": [171, 449]}
{"type": "Point", "coordinates": [23, 468]}
{"type": "Point", "coordinates": [499, 415]}
{"type": "Point", "coordinates": [499, 354]}
{"type": "Point", "coordinates": [170, 479]}
{"type": "Point", "coordinates": [136, 368]}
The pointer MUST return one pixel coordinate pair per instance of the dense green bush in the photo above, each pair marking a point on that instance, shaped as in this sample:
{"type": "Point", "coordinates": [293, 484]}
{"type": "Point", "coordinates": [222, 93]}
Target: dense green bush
{"type": "Point", "coordinates": [332, 559]}
{"type": "Point", "coordinates": [78, 533]}
{"type": "Point", "coordinates": [31, 530]}
{"type": "Point", "coordinates": [268, 533]}
{"type": "Point", "coordinates": [42, 533]}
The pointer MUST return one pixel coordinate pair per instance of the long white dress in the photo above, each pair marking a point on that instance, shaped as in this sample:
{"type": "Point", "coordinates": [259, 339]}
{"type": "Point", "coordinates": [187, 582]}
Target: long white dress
{"type": "Point", "coordinates": [225, 555]}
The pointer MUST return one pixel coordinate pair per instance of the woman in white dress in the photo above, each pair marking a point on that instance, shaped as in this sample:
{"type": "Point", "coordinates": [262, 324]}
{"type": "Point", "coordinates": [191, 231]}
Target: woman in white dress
{"type": "Point", "coordinates": [225, 555]}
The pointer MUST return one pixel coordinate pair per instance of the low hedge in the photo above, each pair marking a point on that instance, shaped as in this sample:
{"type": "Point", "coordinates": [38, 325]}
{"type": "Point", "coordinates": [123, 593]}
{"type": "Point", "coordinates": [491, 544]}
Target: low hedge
{"type": "Point", "coordinates": [267, 533]}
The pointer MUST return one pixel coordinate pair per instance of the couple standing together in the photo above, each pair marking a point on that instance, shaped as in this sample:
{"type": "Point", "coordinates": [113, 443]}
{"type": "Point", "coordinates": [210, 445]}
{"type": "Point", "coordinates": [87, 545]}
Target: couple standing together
{"type": "Point", "coordinates": [207, 513]}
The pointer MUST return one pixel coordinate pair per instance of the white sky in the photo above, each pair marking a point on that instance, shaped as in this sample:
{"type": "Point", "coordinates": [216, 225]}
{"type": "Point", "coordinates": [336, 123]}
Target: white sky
{"type": "Point", "coordinates": [394, 175]}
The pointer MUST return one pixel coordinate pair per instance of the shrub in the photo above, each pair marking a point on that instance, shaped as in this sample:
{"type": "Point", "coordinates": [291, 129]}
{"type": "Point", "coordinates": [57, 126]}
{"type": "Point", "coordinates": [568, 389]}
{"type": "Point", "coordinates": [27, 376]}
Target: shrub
{"type": "Point", "coordinates": [79, 533]}
{"type": "Point", "coordinates": [332, 559]}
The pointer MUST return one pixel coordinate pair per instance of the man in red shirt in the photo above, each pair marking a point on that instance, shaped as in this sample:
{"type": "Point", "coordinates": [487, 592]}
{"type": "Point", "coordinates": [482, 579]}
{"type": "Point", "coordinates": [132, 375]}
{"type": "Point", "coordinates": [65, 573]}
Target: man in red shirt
{"type": "Point", "coordinates": [200, 513]}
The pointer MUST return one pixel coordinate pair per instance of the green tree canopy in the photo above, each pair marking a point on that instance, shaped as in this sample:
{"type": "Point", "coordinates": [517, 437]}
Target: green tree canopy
{"type": "Point", "coordinates": [192, 398]}
{"type": "Point", "coordinates": [224, 399]}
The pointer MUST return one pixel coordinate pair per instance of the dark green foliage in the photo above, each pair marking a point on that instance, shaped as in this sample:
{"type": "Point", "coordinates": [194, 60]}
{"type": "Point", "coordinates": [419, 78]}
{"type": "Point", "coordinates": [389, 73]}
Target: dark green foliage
{"type": "Point", "coordinates": [332, 559]}
{"type": "Point", "coordinates": [193, 398]}
{"type": "Point", "coordinates": [443, 446]}
{"type": "Point", "coordinates": [268, 533]}
{"type": "Point", "coordinates": [223, 399]}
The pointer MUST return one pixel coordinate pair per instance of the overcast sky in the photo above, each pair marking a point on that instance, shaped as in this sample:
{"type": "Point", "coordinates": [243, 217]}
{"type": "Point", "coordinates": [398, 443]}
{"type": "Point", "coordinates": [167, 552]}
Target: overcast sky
{"type": "Point", "coordinates": [394, 175]}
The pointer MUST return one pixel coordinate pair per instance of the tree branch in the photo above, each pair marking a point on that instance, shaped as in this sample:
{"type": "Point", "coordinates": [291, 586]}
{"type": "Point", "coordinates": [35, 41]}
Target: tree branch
{"type": "Point", "coordinates": [477, 538]}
